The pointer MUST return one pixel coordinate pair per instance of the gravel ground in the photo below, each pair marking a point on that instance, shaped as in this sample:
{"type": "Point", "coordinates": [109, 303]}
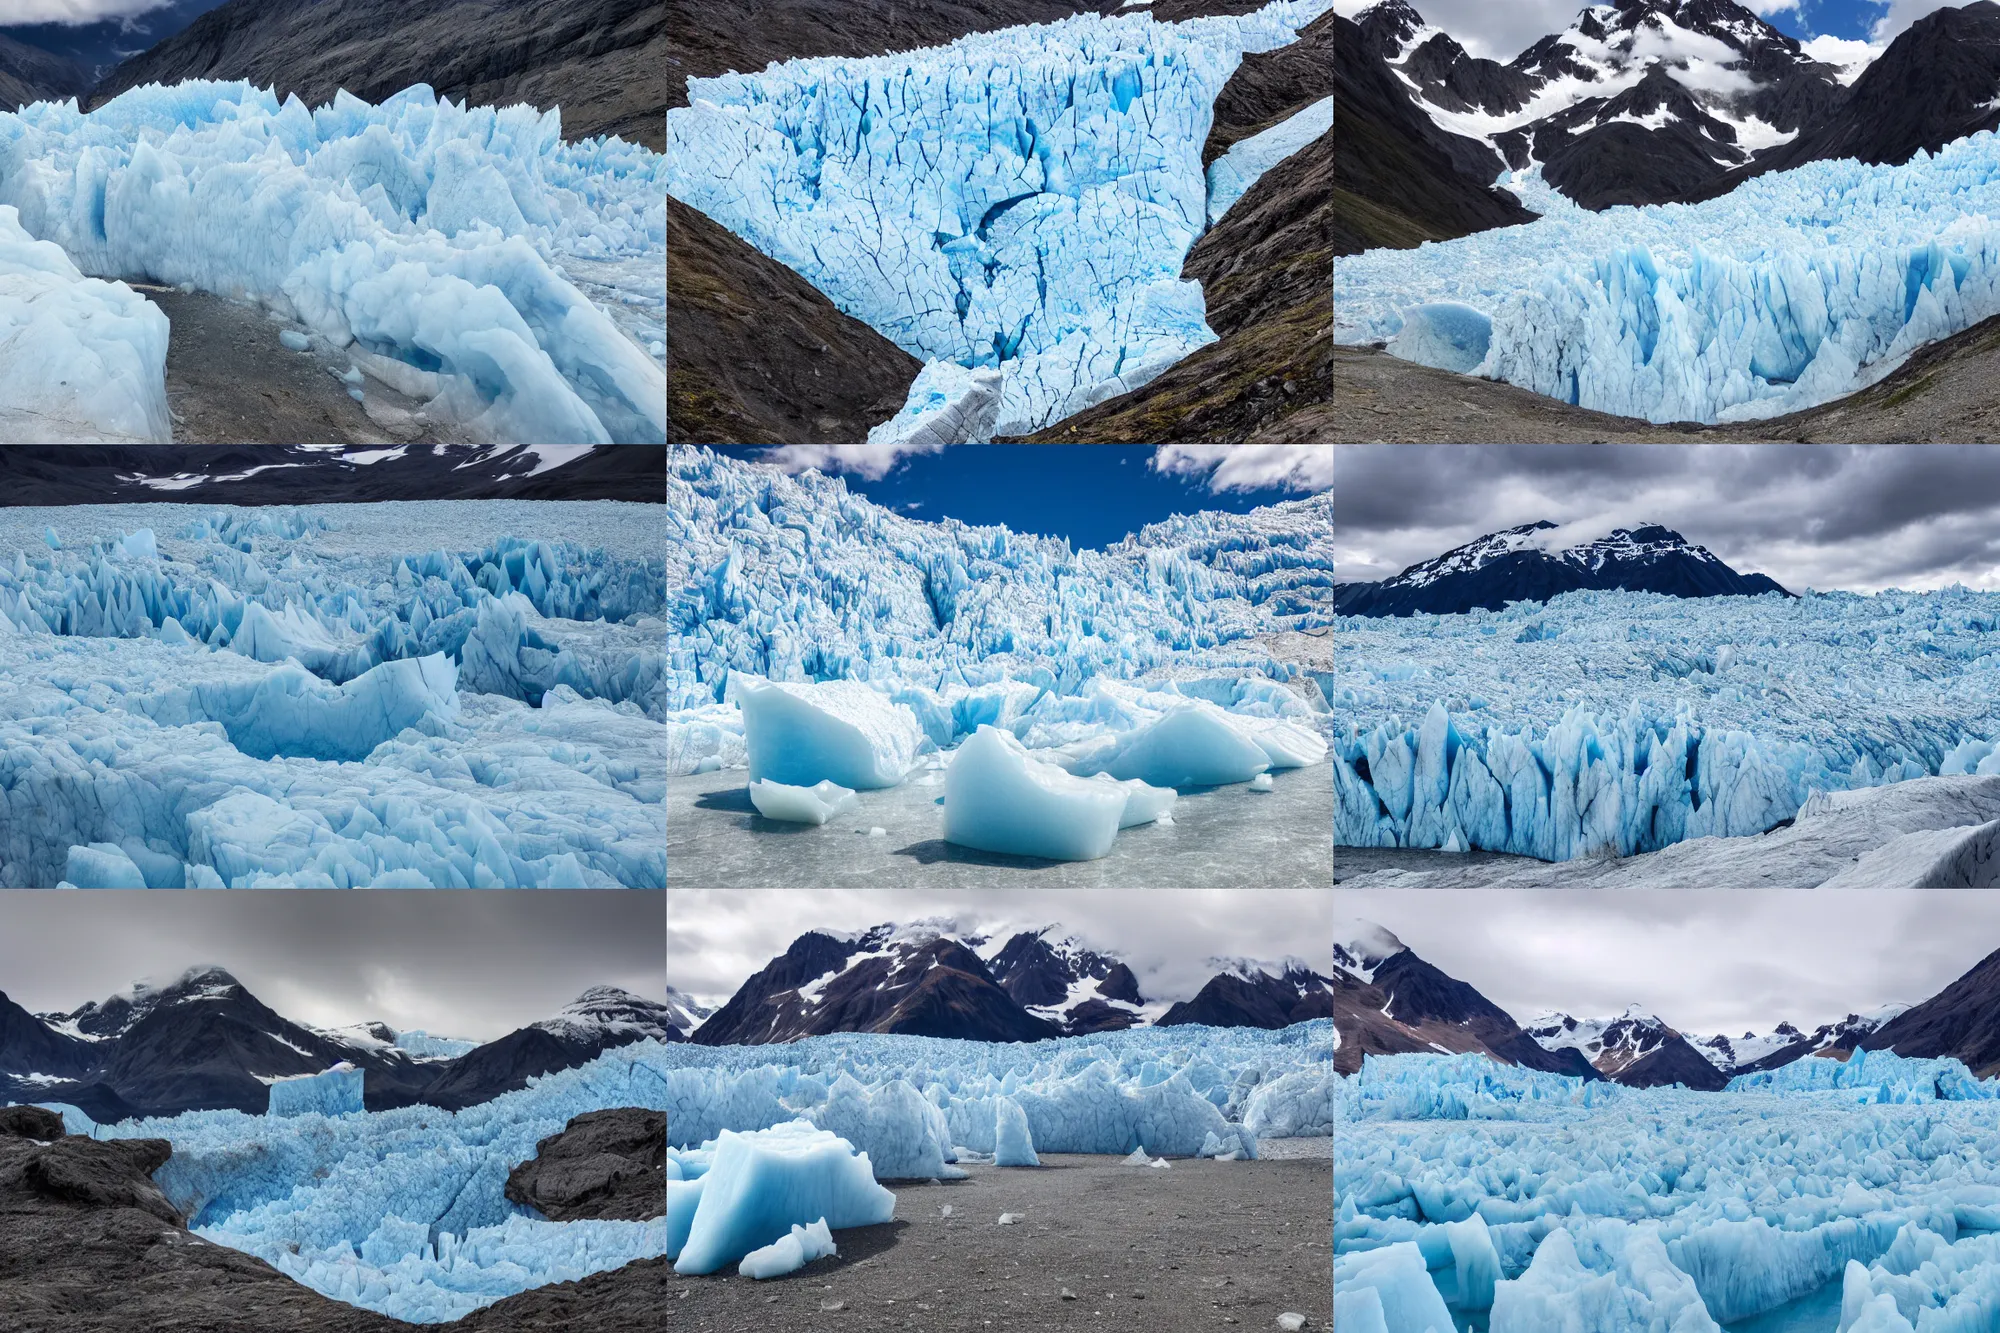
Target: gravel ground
{"type": "Point", "coordinates": [1202, 1245]}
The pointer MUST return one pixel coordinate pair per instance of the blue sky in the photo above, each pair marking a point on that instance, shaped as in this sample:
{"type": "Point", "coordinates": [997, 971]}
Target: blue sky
{"type": "Point", "coordinates": [1092, 494]}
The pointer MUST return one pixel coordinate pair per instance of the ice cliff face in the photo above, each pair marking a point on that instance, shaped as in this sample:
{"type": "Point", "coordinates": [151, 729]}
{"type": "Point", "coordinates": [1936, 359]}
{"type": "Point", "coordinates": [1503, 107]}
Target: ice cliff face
{"type": "Point", "coordinates": [1020, 199]}
{"type": "Point", "coordinates": [453, 252]}
{"type": "Point", "coordinates": [1624, 722]}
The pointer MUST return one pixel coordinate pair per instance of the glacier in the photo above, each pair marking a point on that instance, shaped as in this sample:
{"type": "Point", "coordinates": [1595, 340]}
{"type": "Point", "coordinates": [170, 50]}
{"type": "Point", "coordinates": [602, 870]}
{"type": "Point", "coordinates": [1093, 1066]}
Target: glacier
{"type": "Point", "coordinates": [1795, 288]}
{"type": "Point", "coordinates": [401, 1212]}
{"type": "Point", "coordinates": [464, 255]}
{"type": "Point", "coordinates": [1463, 1187]}
{"type": "Point", "coordinates": [335, 1092]}
{"type": "Point", "coordinates": [1018, 200]}
{"type": "Point", "coordinates": [909, 1104]}
{"type": "Point", "coordinates": [335, 696]}
{"type": "Point", "coordinates": [817, 637]}
{"type": "Point", "coordinates": [1231, 175]}
{"type": "Point", "coordinates": [1620, 723]}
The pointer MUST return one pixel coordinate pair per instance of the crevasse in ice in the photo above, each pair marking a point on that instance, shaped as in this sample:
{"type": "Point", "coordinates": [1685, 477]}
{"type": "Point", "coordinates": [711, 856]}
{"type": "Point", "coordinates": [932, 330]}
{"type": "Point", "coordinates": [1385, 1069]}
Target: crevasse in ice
{"type": "Point", "coordinates": [466, 256]}
{"type": "Point", "coordinates": [1629, 721]}
{"type": "Point", "coordinates": [402, 1212]}
{"type": "Point", "coordinates": [1020, 199]}
{"type": "Point", "coordinates": [1795, 288]}
{"type": "Point", "coordinates": [1464, 1187]}
{"type": "Point", "coordinates": [336, 697]}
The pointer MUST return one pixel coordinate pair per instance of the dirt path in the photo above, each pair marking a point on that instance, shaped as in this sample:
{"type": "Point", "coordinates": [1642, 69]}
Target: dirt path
{"type": "Point", "coordinates": [1202, 1245]}
{"type": "Point", "coordinates": [231, 381]}
{"type": "Point", "coordinates": [1947, 392]}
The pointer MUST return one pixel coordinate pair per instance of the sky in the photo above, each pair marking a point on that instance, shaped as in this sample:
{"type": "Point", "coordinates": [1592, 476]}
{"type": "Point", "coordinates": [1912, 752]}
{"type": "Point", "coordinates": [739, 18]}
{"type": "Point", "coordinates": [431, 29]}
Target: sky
{"type": "Point", "coordinates": [1835, 30]}
{"type": "Point", "coordinates": [716, 940]}
{"type": "Point", "coordinates": [472, 963]}
{"type": "Point", "coordinates": [1857, 517]}
{"type": "Point", "coordinates": [1093, 494]}
{"type": "Point", "coordinates": [1727, 961]}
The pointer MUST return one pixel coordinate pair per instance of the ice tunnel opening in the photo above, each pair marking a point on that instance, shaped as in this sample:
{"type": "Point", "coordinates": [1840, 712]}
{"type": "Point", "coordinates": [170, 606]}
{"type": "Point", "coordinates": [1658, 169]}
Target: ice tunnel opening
{"type": "Point", "coordinates": [1446, 334]}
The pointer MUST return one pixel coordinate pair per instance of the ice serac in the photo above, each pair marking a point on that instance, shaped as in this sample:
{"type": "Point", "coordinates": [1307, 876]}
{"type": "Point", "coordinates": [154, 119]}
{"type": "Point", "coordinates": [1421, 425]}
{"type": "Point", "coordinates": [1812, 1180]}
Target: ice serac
{"type": "Point", "coordinates": [1013, 1145]}
{"type": "Point", "coordinates": [335, 1092]}
{"type": "Point", "coordinates": [756, 1186]}
{"type": "Point", "coordinates": [446, 246]}
{"type": "Point", "coordinates": [82, 361]}
{"type": "Point", "coordinates": [838, 731]}
{"type": "Point", "coordinates": [1000, 798]}
{"type": "Point", "coordinates": [1042, 228]}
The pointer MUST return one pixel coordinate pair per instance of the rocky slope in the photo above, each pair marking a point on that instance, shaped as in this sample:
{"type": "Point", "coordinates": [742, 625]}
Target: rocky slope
{"type": "Point", "coordinates": [604, 62]}
{"type": "Point", "coordinates": [758, 355]}
{"type": "Point", "coordinates": [1962, 1020]}
{"type": "Point", "coordinates": [31, 74]}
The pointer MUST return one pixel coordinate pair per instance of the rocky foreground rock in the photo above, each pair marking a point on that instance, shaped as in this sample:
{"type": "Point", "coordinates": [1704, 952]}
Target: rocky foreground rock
{"type": "Point", "coordinates": [605, 1164]}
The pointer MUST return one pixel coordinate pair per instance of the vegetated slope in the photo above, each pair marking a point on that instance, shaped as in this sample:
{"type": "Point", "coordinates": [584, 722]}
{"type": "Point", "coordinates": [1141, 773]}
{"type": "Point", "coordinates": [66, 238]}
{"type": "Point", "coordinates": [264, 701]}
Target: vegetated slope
{"type": "Point", "coordinates": [758, 355]}
{"type": "Point", "coordinates": [601, 61]}
{"type": "Point", "coordinates": [67, 474]}
{"type": "Point", "coordinates": [30, 74]}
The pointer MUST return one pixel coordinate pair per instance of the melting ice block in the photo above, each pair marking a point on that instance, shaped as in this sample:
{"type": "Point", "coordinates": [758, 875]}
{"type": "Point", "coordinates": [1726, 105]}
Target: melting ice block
{"type": "Point", "coordinates": [336, 1092]}
{"type": "Point", "coordinates": [800, 805]}
{"type": "Point", "coordinates": [999, 798]}
{"type": "Point", "coordinates": [838, 731]}
{"type": "Point", "coordinates": [1196, 745]}
{"type": "Point", "coordinates": [789, 1254]}
{"type": "Point", "coordinates": [1013, 1145]}
{"type": "Point", "coordinates": [759, 1185]}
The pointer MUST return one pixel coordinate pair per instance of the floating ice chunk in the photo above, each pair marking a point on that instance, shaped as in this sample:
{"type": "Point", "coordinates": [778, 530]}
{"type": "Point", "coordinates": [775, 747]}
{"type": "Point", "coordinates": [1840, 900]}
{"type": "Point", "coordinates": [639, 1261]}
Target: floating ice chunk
{"type": "Point", "coordinates": [840, 731]}
{"type": "Point", "coordinates": [102, 865]}
{"type": "Point", "coordinates": [1262, 782]}
{"type": "Point", "coordinates": [999, 798]}
{"type": "Point", "coordinates": [947, 404]}
{"type": "Point", "coordinates": [1144, 804]}
{"type": "Point", "coordinates": [1444, 334]}
{"type": "Point", "coordinates": [788, 1254]}
{"type": "Point", "coordinates": [1013, 1145]}
{"type": "Point", "coordinates": [1195, 745]}
{"type": "Point", "coordinates": [1231, 175]}
{"type": "Point", "coordinates": [761, 1184]}
{"type": "Point", "coordinates": [335, 1092]}
{"type": "Point", "coordinates": [296, 341]}
{"type": "Point", "coordinates": [801, 805]}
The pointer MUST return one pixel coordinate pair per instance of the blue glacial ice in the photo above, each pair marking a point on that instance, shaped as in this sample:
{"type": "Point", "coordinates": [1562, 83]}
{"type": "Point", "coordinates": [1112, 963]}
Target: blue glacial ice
{"type": "Point", "coordinates": [1013, 1142]}
{"type": "Point", "coordinates": [339, 696]}
{"type": "Point", "coordinates": [85, 361]}
{"type": "Point", "coordinates": [1463, 1186]}
{"type": "Point", "coordinates": [751, 1189]}
{"type": "Point", "coordinates": [910, 1103]}
{"type": "Point", "coordinates": [466, 256]}
{"type": "Point", "coordinates": [800, 805]}
{"type": "Point", "coordinates": [1626, 722]}
{"type": "Point", "coordinates": [1018, 200]}
{"type": "Point", "coordinates": [335, 1092]}
{"type": "Point", "coordinates": [402, 1212]}
{"type": "Point", "coordinates": [1000, 798]}
{"type": "Point", "coordinates": [1231, 175]}
{"type": "Point", "coordinates": [1795, 288]}
{"type": "Point", "coordinates": [789, 1254]}
{"type": "Point", "coordinates": [819, 637]}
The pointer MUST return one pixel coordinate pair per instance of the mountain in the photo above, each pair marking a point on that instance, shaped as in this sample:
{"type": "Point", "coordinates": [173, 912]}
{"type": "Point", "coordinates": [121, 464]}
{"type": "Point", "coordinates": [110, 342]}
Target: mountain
{"type": "Point", "coordinates": [1523, 564]}
{"type": "Point", "coordinates": [929, 978]}
{"type": "Point", "coordinates": [94, 48]}
{"type": "Point", "coordinates": [599, 60]}
{"type": "Point", "coordinates": [683, 1014]}
{"type": "Point", "coordinates": [1636, 102]}
{"type": "Point", "coordinates": [307, 474]}
{"type": "Point", "coordinates": [1388, 1001]}
{"type": "Point", "coordinates": [30, 74]}
{"type": "Point", "coordinates": [1962, 1020]}
{"type": "Point", "coordinates": [204, 1042]}
{"type": "Point", "coordinates": [1636, 1049]}
{"type": "Point", "coordinates": [1784, 1043]}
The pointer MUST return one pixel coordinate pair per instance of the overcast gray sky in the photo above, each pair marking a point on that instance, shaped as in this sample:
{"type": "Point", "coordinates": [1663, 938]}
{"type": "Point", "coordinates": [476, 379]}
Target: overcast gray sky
{"type": "Point", "coordinates": [717, 939]}
{"type": "Point", "coordinates": [1860, 517]}
{"type": "Point", "coordinates": [473, 963]}
{"type": "Point", "coordinates": [1726, 961]}
{"type": "Point", "coordinates": [74, 11]}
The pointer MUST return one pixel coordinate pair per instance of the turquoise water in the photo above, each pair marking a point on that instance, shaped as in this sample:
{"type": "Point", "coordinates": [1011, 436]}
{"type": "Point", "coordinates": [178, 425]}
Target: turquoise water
{"type": "Point", "coordinates": [1814, 1312]}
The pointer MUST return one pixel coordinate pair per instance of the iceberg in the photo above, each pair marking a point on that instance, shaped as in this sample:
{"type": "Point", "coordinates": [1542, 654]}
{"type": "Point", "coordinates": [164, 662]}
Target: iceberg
{"type": "Point", "coordinates": [756, 1186]}
{"type": "Point", "coordinates": [800, 805]}
{"type": "Point", "coordinates": [837, 731]}
{"type": "Point", "coordinates": [335, 1092]}
{"type": "Point", "coordinates": [999, 798]}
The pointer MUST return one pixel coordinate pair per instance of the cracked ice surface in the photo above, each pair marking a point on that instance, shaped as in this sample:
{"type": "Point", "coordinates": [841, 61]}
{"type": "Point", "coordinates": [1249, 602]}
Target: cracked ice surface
{"type": "Point", "coordinates": [1793, 289]}
{"type": "Point", "coordinates": [1021, 198]}
{"type": "Point", "coordinates": [1231, 175]}
{"type": "Point", "coordinates": [404, 1211]}
{"type": "Point", "coordinates": [795, 579]}
{"type": "Point", "coordinates": [1548, 1203]}
{"type": "Point", "coordinates": [433, 235]}
{"type": "Point", "coordinates": [1630, 721]}
{"type": "Point", "coordinates": [910, 1102]}
{"type": "Point", "coordinates": [340, 696]}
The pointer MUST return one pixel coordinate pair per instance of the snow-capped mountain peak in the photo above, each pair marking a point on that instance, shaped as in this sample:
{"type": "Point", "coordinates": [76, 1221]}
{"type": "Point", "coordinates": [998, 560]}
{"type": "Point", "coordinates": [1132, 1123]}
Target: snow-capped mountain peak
{"type": "Point", "coordinates": [113, 1016]}
{"type": "Point", "coordinates": [609, 1009]}
{"type": "Point", "coordinates": [1610, 1044]}
{"type": "Point", "coordinates": [1359, 947]}
{"type": "Point", "coordinates": [1785, 1042]}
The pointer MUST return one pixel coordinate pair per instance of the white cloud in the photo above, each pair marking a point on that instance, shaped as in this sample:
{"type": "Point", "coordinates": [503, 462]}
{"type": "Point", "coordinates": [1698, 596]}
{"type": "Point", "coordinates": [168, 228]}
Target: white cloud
{"type": "Point", "coordinates": [1900, 14]}
{"type": "Point", "coordinates": [76, 11]}
{"type": "Point", "coordinates": [1766, 8]}
{"type": "Point", "coordinates": [1850, 55]}
{"type": "Point", "coordinates": [1250, 467]}
{"type": "Point", "coordinates": [717, 939]}
{"type": "Point", "coordinates": [873, 461]}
